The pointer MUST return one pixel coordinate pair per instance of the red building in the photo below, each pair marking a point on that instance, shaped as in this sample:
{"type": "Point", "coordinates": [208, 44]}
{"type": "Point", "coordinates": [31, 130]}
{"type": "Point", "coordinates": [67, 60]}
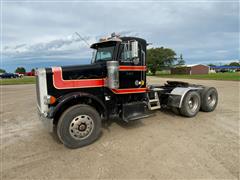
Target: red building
{"type": "Point", "coordinates": [191, 69]}
{"type": "Point", "coordinates": [29, 74]}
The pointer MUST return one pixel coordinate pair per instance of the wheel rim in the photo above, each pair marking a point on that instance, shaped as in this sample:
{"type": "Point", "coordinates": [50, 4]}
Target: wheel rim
{"type": "Point", "coordinates": [81, 127]}
{"type": "Point", "coordinates": [193, 103]}
{"type": "Point", "coordinates": [211, 99]}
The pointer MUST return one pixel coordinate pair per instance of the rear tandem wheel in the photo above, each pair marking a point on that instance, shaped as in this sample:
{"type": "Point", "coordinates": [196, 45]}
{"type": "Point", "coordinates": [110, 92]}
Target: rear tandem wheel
{"type": "Point", "coordinates": [209, 98]}
{"type": "Point", "coordinates": [191, 104]}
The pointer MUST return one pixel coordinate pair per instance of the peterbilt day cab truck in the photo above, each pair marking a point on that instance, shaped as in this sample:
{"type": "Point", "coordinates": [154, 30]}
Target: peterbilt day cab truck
{"type": "Point", "coordinates": [74, 100]}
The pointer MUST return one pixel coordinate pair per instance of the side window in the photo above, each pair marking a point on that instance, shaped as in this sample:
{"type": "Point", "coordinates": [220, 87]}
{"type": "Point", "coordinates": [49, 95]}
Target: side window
{"type": "Point", "coordinates": [125, 52]}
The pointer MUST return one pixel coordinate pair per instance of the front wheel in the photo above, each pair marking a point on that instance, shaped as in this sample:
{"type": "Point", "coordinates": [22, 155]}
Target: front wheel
{"type": "Point", "coordinates": [191, 104]}
{"type": "Point", "coordinates": [78, 126]}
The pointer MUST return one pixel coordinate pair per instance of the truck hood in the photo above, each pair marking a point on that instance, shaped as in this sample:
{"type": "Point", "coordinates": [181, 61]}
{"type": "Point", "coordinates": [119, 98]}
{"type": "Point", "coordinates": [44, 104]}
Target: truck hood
{"type": "Point", "coordinates": [89, 71]}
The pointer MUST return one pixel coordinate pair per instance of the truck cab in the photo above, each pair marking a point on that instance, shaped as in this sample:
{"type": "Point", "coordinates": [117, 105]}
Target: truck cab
{"type": "Point", "coordinates": [74, 100]}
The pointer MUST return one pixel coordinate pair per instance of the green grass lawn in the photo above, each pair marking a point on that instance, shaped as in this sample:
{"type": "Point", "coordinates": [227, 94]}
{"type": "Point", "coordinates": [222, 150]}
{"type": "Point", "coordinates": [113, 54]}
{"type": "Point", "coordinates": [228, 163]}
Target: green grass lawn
{"type": "Point", "coordinates": [24, 80]}
{"type": "Point", "coordinates": [214, 76]}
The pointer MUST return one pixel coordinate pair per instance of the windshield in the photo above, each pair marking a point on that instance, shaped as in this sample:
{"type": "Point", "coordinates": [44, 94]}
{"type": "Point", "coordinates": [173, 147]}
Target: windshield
{"type": "Point", "coordinates": [104, 53]}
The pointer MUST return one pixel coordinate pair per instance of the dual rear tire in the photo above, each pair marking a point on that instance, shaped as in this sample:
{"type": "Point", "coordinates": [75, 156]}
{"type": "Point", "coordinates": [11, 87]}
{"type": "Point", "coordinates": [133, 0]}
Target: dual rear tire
{"type": "Point", "coordinates": [191, 104]}
{"type": "Point", "coordinates": [209, 99]}
{"type": "Point", "coordinates": [194, 101]}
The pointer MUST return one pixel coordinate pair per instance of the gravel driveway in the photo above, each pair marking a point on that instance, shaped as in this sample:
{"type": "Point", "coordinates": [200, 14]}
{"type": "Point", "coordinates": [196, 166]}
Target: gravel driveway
{"type": "Point", "coordinates": [164, 146]}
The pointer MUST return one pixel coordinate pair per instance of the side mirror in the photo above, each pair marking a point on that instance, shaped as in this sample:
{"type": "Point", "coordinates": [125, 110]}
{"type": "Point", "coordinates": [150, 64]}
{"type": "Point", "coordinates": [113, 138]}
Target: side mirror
{"type": "Point", "coordinates": [134, 47]}
{"type": "Point", "coordinates": [93, 56]}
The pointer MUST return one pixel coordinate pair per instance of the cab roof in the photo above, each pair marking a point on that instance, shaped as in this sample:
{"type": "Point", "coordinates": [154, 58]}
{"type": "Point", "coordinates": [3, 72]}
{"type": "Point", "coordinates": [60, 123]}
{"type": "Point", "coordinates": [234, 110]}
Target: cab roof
{"type": "Point", "coordinates": [103, 43]}
{"type": "Point", "coordinates": [113, 40]}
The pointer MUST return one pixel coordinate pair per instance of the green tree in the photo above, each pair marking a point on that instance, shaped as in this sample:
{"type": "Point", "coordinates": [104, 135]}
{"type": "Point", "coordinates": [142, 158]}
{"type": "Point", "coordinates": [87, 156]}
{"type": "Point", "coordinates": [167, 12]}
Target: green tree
{"type": "Point", "coordinates": [210, 64]}
{"type": "Point", "coordinates": [234, 64]}
{"type": "Point", "coordinates": [2, 71]}
{"type": "Point", "coordinates": [33, 70]}
{"type": "Point", "coordinates": [180, 60]}
{"type": "Point", "coordinates": [21, 70]}
{"type": "Point", "coordinates": [160, 57]}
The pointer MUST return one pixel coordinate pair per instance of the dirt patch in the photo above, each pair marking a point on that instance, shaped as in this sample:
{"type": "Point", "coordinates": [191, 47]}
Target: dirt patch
{"type": "Point", "coordinates": [165, 146]}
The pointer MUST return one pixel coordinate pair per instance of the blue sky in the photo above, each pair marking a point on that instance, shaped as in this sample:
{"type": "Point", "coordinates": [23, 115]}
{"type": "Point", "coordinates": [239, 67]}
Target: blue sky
{"type": "Point", "coordinates": [41, 33]}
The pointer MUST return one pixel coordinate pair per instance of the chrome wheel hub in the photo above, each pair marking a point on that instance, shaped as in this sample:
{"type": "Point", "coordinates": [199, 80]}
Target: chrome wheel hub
{"type": "Point", "coordinates": [81, 127]}
{"type": "Point", "coordinates": [211, 100]}
{"type": "Point", "coordinates": [193, 104]}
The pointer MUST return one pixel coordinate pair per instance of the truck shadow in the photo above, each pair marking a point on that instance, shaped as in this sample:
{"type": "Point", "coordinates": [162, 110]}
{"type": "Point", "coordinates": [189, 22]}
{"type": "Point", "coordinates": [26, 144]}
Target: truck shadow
{"type": "Point", "coordinates": [106, 124]}
{"type": "Point", "coordinates": [126, 125]}
{"type": "Point", "coordinates": [55, 136]}
{"type": "Point", "coordinates": [173, 113]}
{"type": "Point", "coordinates": [169, 112]}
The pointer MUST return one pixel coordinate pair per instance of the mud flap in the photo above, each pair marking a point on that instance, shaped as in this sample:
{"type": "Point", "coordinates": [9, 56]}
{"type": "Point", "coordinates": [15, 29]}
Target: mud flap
{"type": "Point", "coordinates": [174, 101]}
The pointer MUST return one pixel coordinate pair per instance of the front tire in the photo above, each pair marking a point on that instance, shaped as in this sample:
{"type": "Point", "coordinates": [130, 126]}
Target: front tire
{"type": "Point", "coordinates": [78, 126]}
{"type": "Point", "coordinates": [191, 104]}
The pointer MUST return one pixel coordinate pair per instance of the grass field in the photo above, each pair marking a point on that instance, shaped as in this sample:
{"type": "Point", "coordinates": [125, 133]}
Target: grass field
{"type": "Point", "coordinates": [24, 80]}
{"type": "Point", "coordinates": [213, 76]}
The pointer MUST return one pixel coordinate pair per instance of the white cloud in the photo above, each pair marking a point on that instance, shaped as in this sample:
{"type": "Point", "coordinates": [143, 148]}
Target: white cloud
{"type": "Point", "coordinates": [37, 30]}
{"type": "Point", "coordinates": [69, 44]}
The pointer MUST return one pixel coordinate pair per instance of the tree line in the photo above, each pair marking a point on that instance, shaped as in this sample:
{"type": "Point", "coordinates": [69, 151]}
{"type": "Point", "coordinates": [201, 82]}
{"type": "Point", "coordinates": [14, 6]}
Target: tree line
{"type": "Point", "coordinates": [230, 64]}
{"type": "Point", "coordinates": [20, 70]}
{"type": "Point", "coordinates": [158, 58]}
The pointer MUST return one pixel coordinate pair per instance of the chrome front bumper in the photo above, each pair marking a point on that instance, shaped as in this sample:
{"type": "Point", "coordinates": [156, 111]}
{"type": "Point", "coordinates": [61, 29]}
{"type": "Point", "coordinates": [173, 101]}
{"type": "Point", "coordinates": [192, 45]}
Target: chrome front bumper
{"type": "Point", "coordinates": [47, 122]}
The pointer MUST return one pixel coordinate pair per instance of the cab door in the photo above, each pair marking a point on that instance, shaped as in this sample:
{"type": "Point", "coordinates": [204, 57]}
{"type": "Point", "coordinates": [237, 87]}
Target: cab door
{"type": "Point", "coordinates": [132, 70]}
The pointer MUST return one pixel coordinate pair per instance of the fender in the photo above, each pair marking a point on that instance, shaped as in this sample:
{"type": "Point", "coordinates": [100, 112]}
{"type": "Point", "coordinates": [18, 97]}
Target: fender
{"type": "Point", "coordinates": [63, 100]}
{"type": "Point", "coordinates": [177, 94]}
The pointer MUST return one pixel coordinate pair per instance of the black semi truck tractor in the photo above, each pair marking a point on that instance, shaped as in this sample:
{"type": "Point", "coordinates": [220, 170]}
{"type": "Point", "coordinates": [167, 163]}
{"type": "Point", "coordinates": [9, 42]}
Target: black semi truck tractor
{"type": "Point", "coordinates": [74, 100]}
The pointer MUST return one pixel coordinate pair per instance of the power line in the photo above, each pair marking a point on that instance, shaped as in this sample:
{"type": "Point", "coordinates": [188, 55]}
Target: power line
{"type": "Point", "coordinates": [82, 38]}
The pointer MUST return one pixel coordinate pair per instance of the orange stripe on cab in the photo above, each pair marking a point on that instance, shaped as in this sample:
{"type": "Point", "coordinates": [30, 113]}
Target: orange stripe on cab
{"type": "Point", "coordinates": [128, 91]}
{"type": "Point", "coordinates": [60, 83]}
{"type": "Point", "coordinates": [132, 68]}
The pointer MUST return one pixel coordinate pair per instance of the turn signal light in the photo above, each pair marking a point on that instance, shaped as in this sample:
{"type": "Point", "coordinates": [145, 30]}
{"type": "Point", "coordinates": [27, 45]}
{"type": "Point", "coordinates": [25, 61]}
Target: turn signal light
{"type": "Point", "coordinates": [49, 99]}
{"type": "Point", "coordinates": [52, 100]}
